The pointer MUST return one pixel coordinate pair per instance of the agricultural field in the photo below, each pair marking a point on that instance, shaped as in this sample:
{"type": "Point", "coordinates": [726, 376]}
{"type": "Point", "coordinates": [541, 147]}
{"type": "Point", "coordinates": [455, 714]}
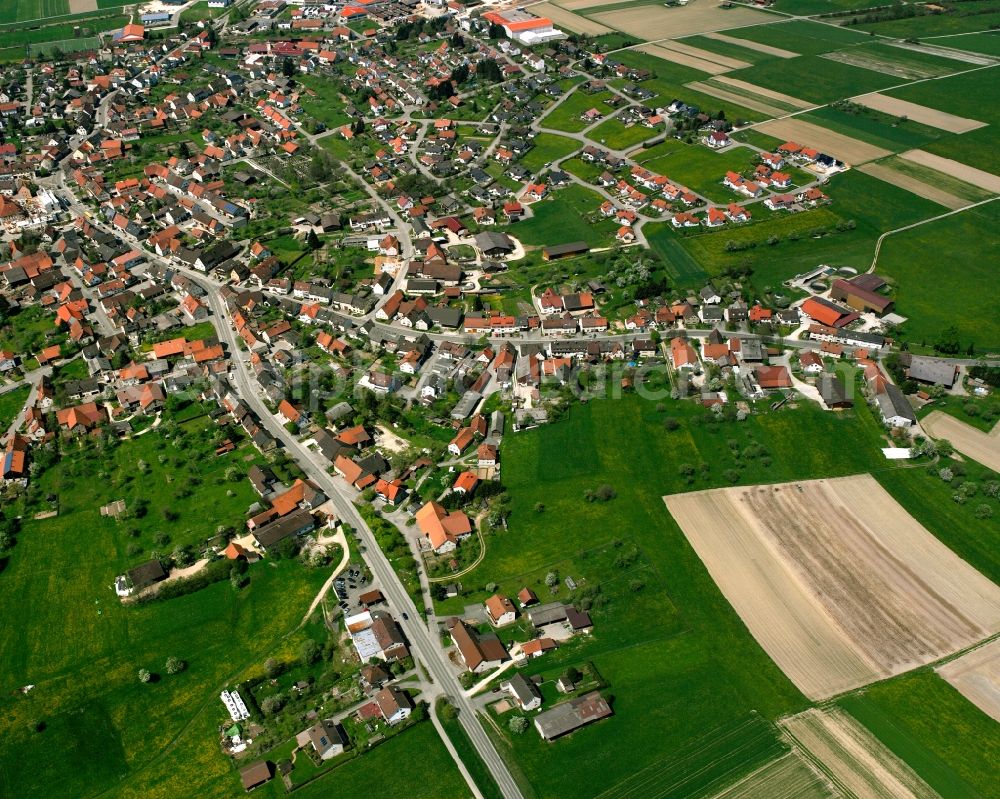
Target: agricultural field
{"type": "Point", "coordinates": [963, 17]}
{"type": "Point", "coordinates": [942, 736]}
{"type": "Point", "coordinates": [26, 10]}
{"type": "Point", "coordinates": [801, 36]}
{"type": "Point", "coordinates": [675, 649]}
{"type": "Point", "coordinates": [874, 128]}
{"type": "Point", "coordinates": [986, 43]}
{"type": "Point", "coordinates": [983, 447]}
{"type": "Point", "coordinates": [829, 626]}
{"type": "Point", "coordinates": [828, 80]}
{"type": "Point", "coordinates": [976, 675]}
{"type": "Point", "coordinates": [546, 148]}
{"type": "Point", "coordinates": [788, 777]}
{"type": "Point", "coordinates": [853, 757]}
{"type": "Point", "coordinates": [933, 305]}
{"type": "Point", "coordinates": [652, 22]}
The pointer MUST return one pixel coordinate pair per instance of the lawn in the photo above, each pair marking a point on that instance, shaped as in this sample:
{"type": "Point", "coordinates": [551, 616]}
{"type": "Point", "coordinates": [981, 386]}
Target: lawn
{"type": "Point", "coordinates": [674, 654]}
{"type": "Point", "coordinates": [10, 406]}
{"type": "Point", "coordinates": [547, 148]}
{"type": "Point", "coordinates": [934, 295]}
{"type": "Point", "coordinates": [566, 215]}
{"type": "Point", "coordinates": [945, 738]}
{"type": "Point", "coordinates": [428, 773]}
{"type": "Point", "coordinates": [566, 115]}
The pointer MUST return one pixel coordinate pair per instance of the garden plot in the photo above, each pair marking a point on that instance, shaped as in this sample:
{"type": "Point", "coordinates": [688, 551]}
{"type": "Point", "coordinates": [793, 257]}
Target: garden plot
{"type": "Point", "coordinates": [853, 758]}
{"type": "Point", "coordinates": [656, 22]}
{"type": "Point", "coordinates": [977, 177]}
{"type": "Point", "coordinates": [845, 148]}
{"type": "Point", "coordinates": [976, 675]}
{"type": "Point", "coordinates": [838, 584]}
{"type": "Point", "coordinates": [914, 185]}
{"type": "Point", "coordinates": [760, 48]}
{"type": "Point", "coordinates": [919, 113]}
{"type": "Point", "coordinates": [971, 442]}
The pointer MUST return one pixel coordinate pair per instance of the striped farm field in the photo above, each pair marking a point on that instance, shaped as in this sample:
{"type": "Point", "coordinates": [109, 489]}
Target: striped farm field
{"type": "Point", "coordinates": [26, 10]}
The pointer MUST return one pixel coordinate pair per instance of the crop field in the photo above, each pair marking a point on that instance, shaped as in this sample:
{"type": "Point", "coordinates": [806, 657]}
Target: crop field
{"type": "Point", "coordinates": [652, 22]}
{"type": "Point", "coordinates": [548, 147]}
{"type": "Point", "coordinates": [977, 177]}
{"type": "Point", "coordinates": [744, 49]}
{"type": "Point", "coordinates": [933, 305]}
{"type": "Point", "coordinates": [976, 675]}
{"type": "Point", "coordinates": [846, 148]}
{"type": "Point", "coordinates": [788, 777]}
{"type": "Point", "coordinates": [928, 724]}
{"type": "Point", "coordinates": [800, 36]}
{"type": "Point", "coordinates": [830, 626]}
{"type": "Point", "coordinates": [829, 80]}
{"type": "Point", "coordinates": [874, 128]}
{"type": "Point", "coordinates": [566, 115]}
{"type": "Point", "coordinates": [920, 113]}
{"type": "Point", "coordinates": [896, 62]}
{"type": "Point", "coordinates": [25, 10]}
{"type": "Point", "coordinates": [574, 22]}
{"type": "Point", "coordinates": [939, 24]}
{"type": "Point", "coordinates": [973, 443]}
{"type": "Point", "coordinates": [689, 56]}
{"type": "Point", "coordinates": [883, 171]}
{"type": "Point", "coordinates": [986, 43]}
{"type": "Point", "coordinates": [853, 757]}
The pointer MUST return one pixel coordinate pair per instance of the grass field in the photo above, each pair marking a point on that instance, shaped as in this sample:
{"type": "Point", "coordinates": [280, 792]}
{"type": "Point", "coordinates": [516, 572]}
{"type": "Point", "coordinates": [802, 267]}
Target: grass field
{"type": "Point", "coordinates": [938, 24]}
{"type": "Point", "coordinates": [617, 136]}
{"type": "Point", "coordinates": [934, 177]}
{"type": "Point", "coordinates": [10, 405]}
{"type": "Point", "coordinates": [987, 43]}
{"type": "Point", "coordinates": [873, 205]}
{"type": "Point", "coordinates": [566, 216]}
{"type": "Point", "coordinates": [470, 757]}
{"type": "Point", "coordinates": [548, 147]}
{"type": "Point", "coordinates": [934, 299]}
{"type": "Point", "coordinates": [702, 169]}
{"type": "Point", "coordinates": [940, 734]}
{"type": "Point", "coordinates": [727, 49]}
{"type": "Point", "coordinates": [417, 757]}
{"type": "Point", "coordinates": [566, 115]}
{"type": "Point", "coordinates": [674, 653]}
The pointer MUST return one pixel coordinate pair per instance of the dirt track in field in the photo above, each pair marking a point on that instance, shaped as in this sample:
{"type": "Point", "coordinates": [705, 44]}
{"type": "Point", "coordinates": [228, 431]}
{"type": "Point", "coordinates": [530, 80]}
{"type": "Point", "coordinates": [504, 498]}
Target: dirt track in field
{"type": "Point", "coordinates": [919, 113]}
{"type": "Point", "coordinates": [857, 761]}
{"type": "Point", "coordinates": [838, 584]}
{"type": "Point", "coordinates": [714, 91]}
{"type": "Point", "coordinates": [852, 151]}
{"type": "Point", "coordinates": [976, 676]}
{"type": "Point", "coordinates": [651, 23]}
{"type": "Point", "coordinates": [970, 441]}
{"type": "Point", "coordinates": [977, 177]}
{"type": "Point", "coordinates": [911, 184]}
{"type": "Point", "coordinates": [749, 45]}
{"type": "Point", "coordinates": [563, 18]}
{"type": "Point", "coordinates": [736, 83]}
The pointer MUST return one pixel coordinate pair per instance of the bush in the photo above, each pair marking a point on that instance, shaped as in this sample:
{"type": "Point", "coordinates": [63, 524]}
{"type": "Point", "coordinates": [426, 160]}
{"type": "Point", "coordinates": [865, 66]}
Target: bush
{"type": "Point", "coordinates": [671, 423]}
{"type": "Point", "coordinates": [518, 725]}
{"type": "Point", "coordinates": [605, 493]}
{"type": "Point", "coordinates": [946, 474]}
{"type": "Point", "coordinates": [984, 511]}
{"type": "Point", "coordinates": [309, 652]}
{"type": "Point", "coordinates": [272, 704]}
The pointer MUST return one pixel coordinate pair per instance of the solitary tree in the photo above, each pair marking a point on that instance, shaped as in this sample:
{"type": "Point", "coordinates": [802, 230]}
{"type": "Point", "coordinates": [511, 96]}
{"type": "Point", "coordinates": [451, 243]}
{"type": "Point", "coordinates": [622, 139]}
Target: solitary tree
{"type": "Point", "coordinates": [144, 675]}
{"type": "Point", "coordinates": [518, 725]}
{"type": "Point", "coordinates": [175, 665]}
